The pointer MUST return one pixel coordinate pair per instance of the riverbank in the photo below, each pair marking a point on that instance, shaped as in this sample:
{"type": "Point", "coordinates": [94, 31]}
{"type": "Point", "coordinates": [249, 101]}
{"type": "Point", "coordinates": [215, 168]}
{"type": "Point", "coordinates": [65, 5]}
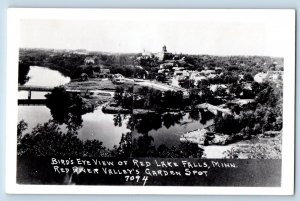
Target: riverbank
{"type": "Point", "coordinates": [220, 146]}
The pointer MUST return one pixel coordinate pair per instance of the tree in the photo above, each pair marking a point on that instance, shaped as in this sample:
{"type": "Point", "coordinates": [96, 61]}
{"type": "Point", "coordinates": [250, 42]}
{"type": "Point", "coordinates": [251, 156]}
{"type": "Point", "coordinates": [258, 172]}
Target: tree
{"type": "Point", "coordinates": [235, 89]}
{"type": "Point", "coordinates": [142, 147]}
{"type": "Point", "coordinates": [247, 119]}
{"type": "Point", "coordinates": [22, 126]}
{"type": "Point", "coordinates": [23, 72]}
{"type": "Point", "coordinates": [67, 108]}
{"type": "Point", "coordinates": [59, 102]}
{"type": "Point", "coordinates": [155, 99]}
{"type": "Point", "coordinates": [194, 97]}
{"type": "Point", "coordinates": [170, 119]}
{"type": "Point", "coordinates": [203, 84]}
{"type": "Point", "coordinates": [125, 146]}
{"type": "Point", "coordinates": [119, 94]}
{"type": "Point", "coordinates": [161, 77]}
{"type": "Point", "coordinates": [173, 99]}
{"type": "Point", "coordinates": [187, 83]}
{"type": "Point", "coordinates": [248, 77]}
{"type": "Point", "coordinates": [226, 124]}
{"type": "Point", "coordinates": [48, 140]}
{"type": "Point", "coordinates": [194, 113]}
{"type": "Point", "coordinates": [220, 91]}
{"type": "Point", "coordinates": [94, 148]}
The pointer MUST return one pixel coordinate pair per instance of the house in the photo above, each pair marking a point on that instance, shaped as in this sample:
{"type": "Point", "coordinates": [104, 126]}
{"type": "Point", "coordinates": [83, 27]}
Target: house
{"type": "Point", "coordinates": [181, 74]}
{"type": "Point", "coordinates": [163, 71]}
{"type": "Point", "coordinates": [118, 79]}
{"type": "Point", "coordinates": [197, 77]}
{"type": "Point", "coordinates": [166, 65]}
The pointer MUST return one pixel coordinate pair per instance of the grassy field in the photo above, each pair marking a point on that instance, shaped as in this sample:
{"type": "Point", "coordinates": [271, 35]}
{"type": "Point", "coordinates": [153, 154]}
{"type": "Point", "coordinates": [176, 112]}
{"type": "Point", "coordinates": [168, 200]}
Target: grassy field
{"type": "Point", "coordinates": [96, 84]}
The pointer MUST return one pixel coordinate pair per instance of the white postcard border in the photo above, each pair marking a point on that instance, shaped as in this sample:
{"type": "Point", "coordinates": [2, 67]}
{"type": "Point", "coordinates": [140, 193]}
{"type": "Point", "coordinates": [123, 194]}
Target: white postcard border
{"type": "Point", "coordinates": [13, 35]}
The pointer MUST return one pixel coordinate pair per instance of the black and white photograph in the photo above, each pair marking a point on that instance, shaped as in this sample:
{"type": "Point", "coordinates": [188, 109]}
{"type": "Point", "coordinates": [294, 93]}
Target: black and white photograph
{"type": "Point", "coordinates": [151, 97]}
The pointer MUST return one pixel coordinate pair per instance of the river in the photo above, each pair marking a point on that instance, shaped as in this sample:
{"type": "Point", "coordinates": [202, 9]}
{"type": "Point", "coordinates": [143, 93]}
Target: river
{"type": "Point", "coordinates": [98, 125]}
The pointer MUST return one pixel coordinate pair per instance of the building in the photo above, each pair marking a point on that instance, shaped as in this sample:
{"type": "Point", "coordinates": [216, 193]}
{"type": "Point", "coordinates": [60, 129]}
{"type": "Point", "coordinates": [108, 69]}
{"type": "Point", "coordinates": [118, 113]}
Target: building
{"type": "Point", "coordinates": [89, 61]}
{"type": "Point", "coordinates": [104, 73]}
{"type": "Point", "coordinates": [181, 74]}
{"type": "Point", "coordinates": [197, 77]}
{"type": "Point", "coordinates": [118, 79]}
{"type": "Point", "coordinates": [146, 53]}
{"type": "Point", "coordinates": [164, 54]}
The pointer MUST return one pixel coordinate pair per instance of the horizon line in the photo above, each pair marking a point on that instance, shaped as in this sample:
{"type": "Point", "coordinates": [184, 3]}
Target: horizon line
{"type": "Point", "coordinates": [112, 52]}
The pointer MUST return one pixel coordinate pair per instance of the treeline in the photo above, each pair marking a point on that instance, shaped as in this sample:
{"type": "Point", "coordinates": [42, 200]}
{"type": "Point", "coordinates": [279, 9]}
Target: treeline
{"type": "Point", "coordinates": [148, 98]}
{"type": "Point", "coordinates": [71, 63]}
{"type": "Point", "coordinates": [240, 64]}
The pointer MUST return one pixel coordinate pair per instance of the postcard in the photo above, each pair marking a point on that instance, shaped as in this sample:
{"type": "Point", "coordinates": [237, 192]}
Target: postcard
{"type": "Point", "coordinates": [150, 101]}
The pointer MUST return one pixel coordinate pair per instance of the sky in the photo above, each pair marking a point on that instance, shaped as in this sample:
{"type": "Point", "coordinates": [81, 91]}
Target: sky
{"type": "Point", "coordinates": [214, 37]}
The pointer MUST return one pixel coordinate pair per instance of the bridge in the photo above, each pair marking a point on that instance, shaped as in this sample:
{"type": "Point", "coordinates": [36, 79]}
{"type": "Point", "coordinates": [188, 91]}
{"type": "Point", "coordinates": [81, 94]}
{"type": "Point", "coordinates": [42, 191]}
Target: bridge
{"type": "Point", "coordinates": [30, 101]}
{"type": "Point", "coordinates": [35, 88]}
{"type": "Point", "coordinates": [31, 88]}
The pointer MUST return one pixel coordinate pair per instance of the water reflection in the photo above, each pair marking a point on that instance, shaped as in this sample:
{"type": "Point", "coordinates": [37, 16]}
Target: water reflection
{"type": "Point", "coordinates": [205, 116]}
{"type": "Point", "coordinates": [167, 128]}
{"type": "Point", "coordinates": [67, 108]}
{"type": "Point", "coordinates": [118, 120]}
{"type": "Point", "coordinates": [170, 119]}
{"type": "Point", "coordinates": [100, 126]}
{"type": "Point", "coordinates": [146, 122]}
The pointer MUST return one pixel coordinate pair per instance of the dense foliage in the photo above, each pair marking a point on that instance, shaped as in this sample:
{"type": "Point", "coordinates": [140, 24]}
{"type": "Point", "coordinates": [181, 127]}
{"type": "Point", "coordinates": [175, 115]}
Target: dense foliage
{"type": "Point", "coordinates": [67, 107]}
{"type": "Point", "coordinates": [264, 114]}
{"type": "Point", "coordinates": [23, 72]}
